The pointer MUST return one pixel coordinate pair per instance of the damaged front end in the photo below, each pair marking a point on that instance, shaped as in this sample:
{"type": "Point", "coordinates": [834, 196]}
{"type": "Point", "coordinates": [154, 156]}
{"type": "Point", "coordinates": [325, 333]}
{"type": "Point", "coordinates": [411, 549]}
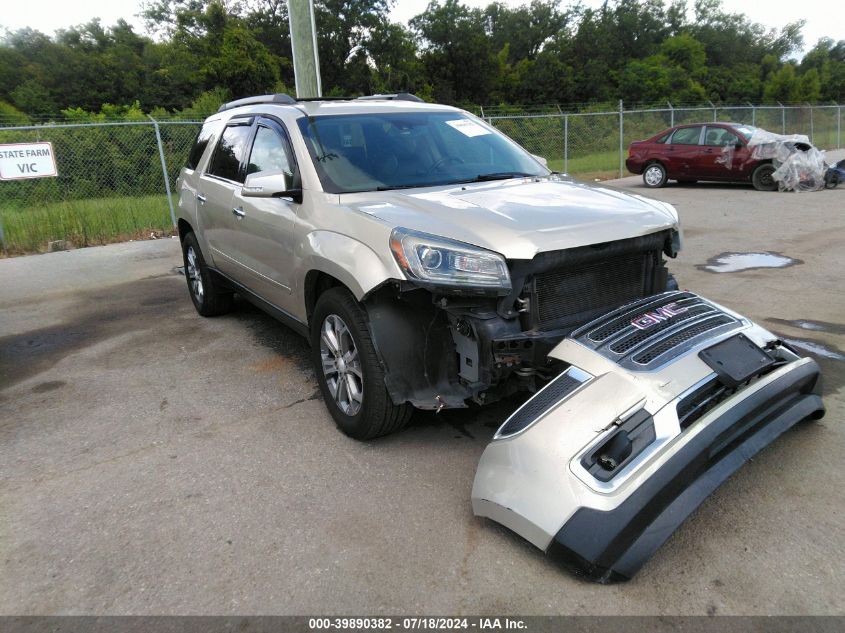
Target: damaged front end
{"type": "Point", "coordinates": [660, 401]}
{"type": "Point", "coordinates": [479, 344]}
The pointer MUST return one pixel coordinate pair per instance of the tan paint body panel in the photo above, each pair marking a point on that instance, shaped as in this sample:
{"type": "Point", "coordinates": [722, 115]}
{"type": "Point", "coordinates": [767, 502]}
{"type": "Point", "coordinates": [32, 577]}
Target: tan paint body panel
{"type": "Point", "coordinates": [347, 236]}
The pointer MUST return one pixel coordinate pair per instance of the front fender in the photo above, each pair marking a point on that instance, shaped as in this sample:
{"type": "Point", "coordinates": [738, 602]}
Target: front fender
{"type": "Point", "coordinates": [349, 261]}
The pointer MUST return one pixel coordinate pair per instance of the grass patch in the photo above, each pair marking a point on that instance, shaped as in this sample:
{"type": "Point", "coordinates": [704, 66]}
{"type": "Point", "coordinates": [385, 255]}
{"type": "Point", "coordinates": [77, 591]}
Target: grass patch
{"type": "Point", "coordinates": [89, 222]}
{"type": "Point", "coordinates": [601, 165]}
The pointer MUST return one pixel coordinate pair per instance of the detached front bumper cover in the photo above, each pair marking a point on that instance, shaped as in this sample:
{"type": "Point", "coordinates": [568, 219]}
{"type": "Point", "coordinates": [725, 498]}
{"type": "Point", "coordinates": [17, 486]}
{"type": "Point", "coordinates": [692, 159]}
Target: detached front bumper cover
{"type": "Point", "coordinates": [652, 415]}
{"type": "Point", "coordinates": [613, 545]}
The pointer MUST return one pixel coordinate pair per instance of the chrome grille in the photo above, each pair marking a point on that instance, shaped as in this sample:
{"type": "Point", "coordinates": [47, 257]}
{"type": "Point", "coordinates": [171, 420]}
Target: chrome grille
{"type": "Point", "coordinates": [673, 322]}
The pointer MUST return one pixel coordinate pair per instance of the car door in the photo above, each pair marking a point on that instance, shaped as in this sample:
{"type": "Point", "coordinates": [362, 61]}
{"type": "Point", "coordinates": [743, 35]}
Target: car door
{"type": "Point", "coordinates": [265, 225]}
{"type": "Point", "coordinates": [723, 154]}
{"type": "Point", "coordinates": [215, 192]}
{"type": "Point", "coordinates": [682, 152]}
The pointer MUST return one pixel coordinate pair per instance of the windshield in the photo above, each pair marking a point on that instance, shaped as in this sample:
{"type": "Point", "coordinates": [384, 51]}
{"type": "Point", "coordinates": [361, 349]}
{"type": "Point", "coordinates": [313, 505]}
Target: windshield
{"type": "Point", "coordinates": [378, 151]}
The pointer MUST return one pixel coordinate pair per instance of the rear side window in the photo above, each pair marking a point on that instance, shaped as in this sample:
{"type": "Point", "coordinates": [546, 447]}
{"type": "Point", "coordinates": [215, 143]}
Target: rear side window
{"type": "Point", "coordinates": [205, 135]}
{"type": "Point", "coordinates": [226, 162]}
{"type": "Point", "coordinates": [686, 136]}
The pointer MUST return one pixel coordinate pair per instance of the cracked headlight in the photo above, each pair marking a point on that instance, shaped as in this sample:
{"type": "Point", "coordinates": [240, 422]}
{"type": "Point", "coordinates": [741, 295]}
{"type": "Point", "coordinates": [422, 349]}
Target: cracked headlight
{"type": "Point", "coordinates": [444, 262]}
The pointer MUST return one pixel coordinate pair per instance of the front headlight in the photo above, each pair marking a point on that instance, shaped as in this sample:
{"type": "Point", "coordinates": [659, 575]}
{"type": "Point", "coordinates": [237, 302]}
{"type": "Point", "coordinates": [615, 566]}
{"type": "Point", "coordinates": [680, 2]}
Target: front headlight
{"type": "Point", "coordinates": [445, 262]}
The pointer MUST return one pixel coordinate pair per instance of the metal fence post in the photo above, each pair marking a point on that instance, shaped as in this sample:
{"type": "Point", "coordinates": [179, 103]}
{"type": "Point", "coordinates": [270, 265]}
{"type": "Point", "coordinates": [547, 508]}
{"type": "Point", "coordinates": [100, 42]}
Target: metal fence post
{"type": "Point", "coordinates": [671, 115]}
{"type": "Point", "coordinates": [164, 169]}
{"type": "Point", "coordinates": [782, 118]}
{"type": "Point", "coordinates": [839, 127]}
{"type": "Point", "coordinates": [753, 114]}
{"type": "Point", "coordinates": [811, 123]}
{"type": "Point", "coordinates": [712, 105]}
{"type": "Point", "coordinates": [565, 143]}
{"type": "Point", "coordinates": [621, 140]}
{"type": "Point", "coordinates": [3, 238]}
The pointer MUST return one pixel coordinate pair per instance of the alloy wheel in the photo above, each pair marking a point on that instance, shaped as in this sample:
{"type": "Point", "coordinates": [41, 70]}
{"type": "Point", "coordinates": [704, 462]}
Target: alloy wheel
{"type": "Point", "coordinates": [341, 365]}
{"type": "Point", "coordinates": [194, 275]}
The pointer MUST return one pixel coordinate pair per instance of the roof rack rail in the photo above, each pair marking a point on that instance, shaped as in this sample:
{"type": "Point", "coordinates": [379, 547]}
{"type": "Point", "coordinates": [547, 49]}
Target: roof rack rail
{"type": "Point", "coordinates": [399, 96]}
{"type": "Point", "coordinates": [279, 98]}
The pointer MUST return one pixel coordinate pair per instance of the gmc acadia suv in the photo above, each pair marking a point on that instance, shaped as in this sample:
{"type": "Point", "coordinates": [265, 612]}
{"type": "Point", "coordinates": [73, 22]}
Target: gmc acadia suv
{"type": "Point", "coordinates": [430, 260]}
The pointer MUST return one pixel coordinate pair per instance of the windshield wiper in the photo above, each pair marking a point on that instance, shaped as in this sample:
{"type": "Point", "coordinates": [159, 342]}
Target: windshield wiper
{"type": "Point", "coordinates": [500, 175]}
{"type": "Point", "coordinates": [409, 186]}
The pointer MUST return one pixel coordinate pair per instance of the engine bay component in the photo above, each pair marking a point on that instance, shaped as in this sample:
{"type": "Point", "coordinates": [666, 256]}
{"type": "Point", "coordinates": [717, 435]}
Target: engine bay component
{"type": "Point", "coordinates": [661, 401]}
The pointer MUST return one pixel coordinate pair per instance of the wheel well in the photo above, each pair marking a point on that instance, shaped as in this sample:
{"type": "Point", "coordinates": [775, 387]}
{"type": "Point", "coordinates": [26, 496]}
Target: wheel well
{"type": "Point", "coordinates": [316, 283]}
{"type": "Point", "coordinates": [652, 161]}
{"type": "Point", "coordinates": [184, 228]}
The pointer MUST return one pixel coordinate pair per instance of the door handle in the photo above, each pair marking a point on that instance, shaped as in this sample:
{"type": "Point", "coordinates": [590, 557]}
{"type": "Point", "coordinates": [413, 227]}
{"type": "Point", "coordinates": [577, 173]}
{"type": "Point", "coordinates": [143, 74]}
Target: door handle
{"type": "Point", "coordinates": [708, 151]}
{"type": "Point", "coordinates": [238, 212]}
{"type": "Point", "coordinates": [201, 198]}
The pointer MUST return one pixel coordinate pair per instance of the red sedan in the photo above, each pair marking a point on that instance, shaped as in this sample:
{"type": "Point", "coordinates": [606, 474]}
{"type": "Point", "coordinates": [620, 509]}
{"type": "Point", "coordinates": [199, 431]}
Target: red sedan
{"type": "Point", "coordinates": [700, 151]}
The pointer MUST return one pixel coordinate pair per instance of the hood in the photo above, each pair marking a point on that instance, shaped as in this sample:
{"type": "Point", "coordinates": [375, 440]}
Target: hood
{"type": "Point", "coordinates": [519, 218]}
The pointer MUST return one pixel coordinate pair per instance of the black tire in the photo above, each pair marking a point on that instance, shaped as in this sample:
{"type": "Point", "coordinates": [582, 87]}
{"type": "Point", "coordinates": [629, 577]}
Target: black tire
{"type": "Point", "coordinates": [376, 414]}
{"type": "Point", "coordinates": [654, 176]}
{"type": "Point", "coordinates": [831, 181]}
{"type": "Point", "coordinates": [762, 178]}
{"type": "Point", "coordinates": [208, 297]}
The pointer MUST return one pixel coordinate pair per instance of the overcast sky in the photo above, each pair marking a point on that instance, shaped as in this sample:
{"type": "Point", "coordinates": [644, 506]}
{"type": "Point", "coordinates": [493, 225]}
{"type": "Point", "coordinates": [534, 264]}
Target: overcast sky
{"type": "Point", "coordinates": [824, 17]}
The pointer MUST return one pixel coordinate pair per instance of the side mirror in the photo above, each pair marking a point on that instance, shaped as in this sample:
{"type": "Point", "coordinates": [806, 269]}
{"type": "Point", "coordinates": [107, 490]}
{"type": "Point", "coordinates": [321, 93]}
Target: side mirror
{"type": "Point", "coordinates": [271, 184]}
{"type": "Point", "coordinates": [541, 160]}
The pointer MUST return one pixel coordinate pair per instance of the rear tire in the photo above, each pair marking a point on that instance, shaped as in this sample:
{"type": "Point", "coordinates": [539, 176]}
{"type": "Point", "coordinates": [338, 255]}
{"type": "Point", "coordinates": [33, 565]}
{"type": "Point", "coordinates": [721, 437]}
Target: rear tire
{"type": "Point", "coordinates": [208, 297]}
{"type": "Point", "coordinates": [762, 178]}
{"type": "Point", "coordinates": [654, 176]}
{"type": "Point", "coordinates": [348, 371]}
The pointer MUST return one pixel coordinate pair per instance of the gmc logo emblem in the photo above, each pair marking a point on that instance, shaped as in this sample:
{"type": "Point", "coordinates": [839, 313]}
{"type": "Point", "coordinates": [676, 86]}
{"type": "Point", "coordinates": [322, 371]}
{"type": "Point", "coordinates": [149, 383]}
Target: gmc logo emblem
{"type": "Point", "coordinates": [663, 313]}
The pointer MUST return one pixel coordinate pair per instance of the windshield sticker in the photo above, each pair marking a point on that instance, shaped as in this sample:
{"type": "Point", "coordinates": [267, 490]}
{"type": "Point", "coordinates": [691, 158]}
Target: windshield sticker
{"type": "Point", "coordinates": [467, 127]}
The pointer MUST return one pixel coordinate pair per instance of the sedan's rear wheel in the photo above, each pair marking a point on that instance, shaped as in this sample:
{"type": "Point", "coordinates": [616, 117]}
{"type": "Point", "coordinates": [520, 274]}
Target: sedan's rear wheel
{"type": "Point", "coordinates": [349, 374]}
{"type": "Point", "coordinates": [654, 175]}
{"type": "Point", "coordinates": [762, 178]}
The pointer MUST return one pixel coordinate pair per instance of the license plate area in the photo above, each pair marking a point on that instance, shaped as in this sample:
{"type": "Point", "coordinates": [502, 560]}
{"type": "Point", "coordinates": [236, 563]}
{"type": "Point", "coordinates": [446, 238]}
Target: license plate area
{"type": "Point", "coordinates": [736, 360]}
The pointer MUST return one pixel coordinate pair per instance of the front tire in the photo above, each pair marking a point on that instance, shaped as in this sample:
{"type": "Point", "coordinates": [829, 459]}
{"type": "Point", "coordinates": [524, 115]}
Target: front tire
{"type": "Point", "coordinates": [206, 294]}
{"type": "Point", "coordinates": [348, 371]}
{"type": "Point", "coordinates": [655, 176]}
{"type": "Point", "coordinates": [762, 178]}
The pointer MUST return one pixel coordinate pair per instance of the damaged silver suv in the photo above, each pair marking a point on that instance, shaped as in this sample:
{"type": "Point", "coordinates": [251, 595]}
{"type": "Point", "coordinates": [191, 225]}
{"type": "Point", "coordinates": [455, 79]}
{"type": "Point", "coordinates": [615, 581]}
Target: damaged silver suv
{"type": "Point", "coordinates": [430, 260]}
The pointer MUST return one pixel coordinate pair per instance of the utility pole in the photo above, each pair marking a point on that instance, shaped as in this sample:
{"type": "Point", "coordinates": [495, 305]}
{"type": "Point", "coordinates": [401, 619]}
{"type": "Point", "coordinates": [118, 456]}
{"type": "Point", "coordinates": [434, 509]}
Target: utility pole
{"type": "Point", "coordinates": [303, 41]}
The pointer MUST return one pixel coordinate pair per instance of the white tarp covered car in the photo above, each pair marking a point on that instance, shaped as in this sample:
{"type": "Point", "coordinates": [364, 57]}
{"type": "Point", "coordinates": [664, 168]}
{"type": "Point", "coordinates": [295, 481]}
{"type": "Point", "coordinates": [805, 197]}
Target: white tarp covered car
{"type": "Point", "coordinates": [799, 165]}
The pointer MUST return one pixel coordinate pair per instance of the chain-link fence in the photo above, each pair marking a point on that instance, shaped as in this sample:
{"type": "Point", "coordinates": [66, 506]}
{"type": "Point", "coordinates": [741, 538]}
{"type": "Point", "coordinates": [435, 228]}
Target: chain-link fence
{"type": "Point", "coordinates": [115, 178]}
{"type": "Point", "coordinates": [113, 183]}
{"type": "Point", "coordinates": [595, 144]}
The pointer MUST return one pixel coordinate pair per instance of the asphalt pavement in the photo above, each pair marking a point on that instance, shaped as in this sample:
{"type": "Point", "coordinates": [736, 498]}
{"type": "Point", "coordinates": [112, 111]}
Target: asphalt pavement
{"type": "Point", "coordinates": [155, 462]}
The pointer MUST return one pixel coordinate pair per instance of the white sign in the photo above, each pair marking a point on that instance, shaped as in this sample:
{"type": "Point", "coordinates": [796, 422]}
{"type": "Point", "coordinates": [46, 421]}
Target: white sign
{"type": "Point", "coordinates": [467, 127]}
{"type": "Point", "coordinates": [27, 160]}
